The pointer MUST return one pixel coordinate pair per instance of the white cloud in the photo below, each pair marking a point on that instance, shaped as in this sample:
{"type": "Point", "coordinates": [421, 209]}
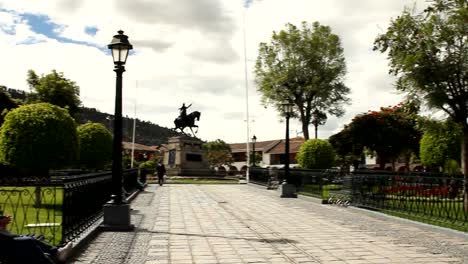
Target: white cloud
{"type": "Point", "coordinates": [192, 52]}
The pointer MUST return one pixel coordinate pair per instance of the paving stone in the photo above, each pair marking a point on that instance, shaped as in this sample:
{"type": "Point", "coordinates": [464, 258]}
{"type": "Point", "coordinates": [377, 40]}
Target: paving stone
{"type": "Point", "coordinates": [214, 224]}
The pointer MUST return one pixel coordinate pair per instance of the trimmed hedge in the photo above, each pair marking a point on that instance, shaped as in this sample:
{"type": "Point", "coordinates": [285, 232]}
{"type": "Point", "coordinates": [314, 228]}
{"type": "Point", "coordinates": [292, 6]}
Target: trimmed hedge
{"type": "Point", "coordinates": [316, 154]}
{"type": "Point", "coordinates": [95, 145]}
{"type": "Point", "coordinates": [38, 137]}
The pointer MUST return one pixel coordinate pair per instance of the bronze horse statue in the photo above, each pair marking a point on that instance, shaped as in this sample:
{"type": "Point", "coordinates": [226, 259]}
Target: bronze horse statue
{"type": "Point", "coordinates": [188, 121]}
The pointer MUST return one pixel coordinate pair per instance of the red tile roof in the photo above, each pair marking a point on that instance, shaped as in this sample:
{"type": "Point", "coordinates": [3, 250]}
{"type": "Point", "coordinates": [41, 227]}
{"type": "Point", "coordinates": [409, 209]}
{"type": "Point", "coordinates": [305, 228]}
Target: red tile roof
{"type": "Point", "coordinates": [294, 145]}
{"type": "Point", "coordinates": [128, 145]}
{"type": "Point", "coordinates": [270, 146]}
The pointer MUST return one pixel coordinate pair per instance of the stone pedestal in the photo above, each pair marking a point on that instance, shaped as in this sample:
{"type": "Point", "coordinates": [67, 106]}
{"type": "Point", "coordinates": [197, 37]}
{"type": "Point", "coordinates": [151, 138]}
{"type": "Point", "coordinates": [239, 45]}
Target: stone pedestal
{"type": "Point", "coordinates": [288, 190]}
{"type": "Point", "coordinates": [117, 217]}
{"type": "Point", "coordinates": [185, 157]}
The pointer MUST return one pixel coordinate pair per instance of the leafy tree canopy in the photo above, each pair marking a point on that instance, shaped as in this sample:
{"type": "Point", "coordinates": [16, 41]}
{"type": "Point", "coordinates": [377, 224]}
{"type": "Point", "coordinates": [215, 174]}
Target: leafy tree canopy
{"type": "Point", "coordinates": [38, 137]}
{"type": "Point", "coordinates": [305, 66]}
{"type": "Point", "coordinates": [54, 88]}
{"type": "Point", "coordinates": [95, 145]}
{"type": "Point", "coordinates": [440, 143]}
{"type": "Point", "coordinates": [218, 153]}
{"type": "Point", "coordinates": [6, 103]}
{"type": "Point", "coordinates": [388, 132]}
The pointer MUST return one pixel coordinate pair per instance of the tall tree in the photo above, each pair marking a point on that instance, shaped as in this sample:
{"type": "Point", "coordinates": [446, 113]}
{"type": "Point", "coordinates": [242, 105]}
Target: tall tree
{"type": "Point", "coordinates": [389, 132]}
{"type": "Point", "coordinates": [54, 88]}
{"type": "Point", "coordinates": [305, 66]}
{"type": "Point", "coordinates": [429, 54]}
{"type": "Point", "coordinates": [319, 118]}
{"type": "Point", "coordinates": [218, 153]}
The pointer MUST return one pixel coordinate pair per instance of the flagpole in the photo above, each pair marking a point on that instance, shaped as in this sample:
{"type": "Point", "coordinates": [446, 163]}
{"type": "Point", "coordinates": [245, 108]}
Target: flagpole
{"type": "Point", "coordinates": [247, 174]}
{"type": "Point", "coordinates": [134, 125]}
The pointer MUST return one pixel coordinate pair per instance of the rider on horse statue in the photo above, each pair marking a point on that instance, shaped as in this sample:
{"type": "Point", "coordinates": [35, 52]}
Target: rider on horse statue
{"type": "Point", "coordinates": [187, 120]}
{"type": "Point", "coordinates": [183, 111]}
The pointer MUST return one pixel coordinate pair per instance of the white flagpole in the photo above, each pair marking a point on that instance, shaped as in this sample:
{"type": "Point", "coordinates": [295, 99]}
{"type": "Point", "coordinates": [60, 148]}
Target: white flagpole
{"type": "Point", "coordinates": [247, 176]}
{"type": "Point", "coordinates": [134, 125]}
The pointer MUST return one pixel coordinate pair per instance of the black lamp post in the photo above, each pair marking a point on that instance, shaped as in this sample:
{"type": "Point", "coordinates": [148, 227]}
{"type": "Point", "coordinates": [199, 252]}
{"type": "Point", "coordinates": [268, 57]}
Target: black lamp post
{"type": "Point", "coordinates": [288, 188]}
{"type": "Point", "coordinates": [117, 212]}
{"type": "Point", "coordinates": [120, 48]}
{"type": "Point", "coordinates": [254, 140]}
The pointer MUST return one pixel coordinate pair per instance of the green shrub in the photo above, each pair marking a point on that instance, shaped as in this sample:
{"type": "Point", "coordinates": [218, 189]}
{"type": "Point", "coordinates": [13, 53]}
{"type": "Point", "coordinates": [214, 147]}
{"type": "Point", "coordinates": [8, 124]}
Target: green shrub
{"type": "Point", "coordinates": [150, 164]}
{"type": "Point", "coordinates": [95, 145]}
{"type": "Point", "coordinates": [452, 167]}
{"type": "Point", "coordinates": [316, 154]}
{"type": "Point", "coordinates": [38, 137]}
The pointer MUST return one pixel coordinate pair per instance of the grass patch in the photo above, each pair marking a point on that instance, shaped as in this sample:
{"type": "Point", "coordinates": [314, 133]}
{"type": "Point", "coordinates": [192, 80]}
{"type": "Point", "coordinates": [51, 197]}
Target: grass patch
{"type": "Point", "coordinates": [456, 225]}
{"type": "Point", "coordinates": [315, 191]}
{"type": "Point", "coordinates": [21, 204]}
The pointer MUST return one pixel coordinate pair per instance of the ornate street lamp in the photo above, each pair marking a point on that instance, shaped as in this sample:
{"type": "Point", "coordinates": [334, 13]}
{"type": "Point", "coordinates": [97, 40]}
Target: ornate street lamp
{"type": "Point", "coordinates": [254, 140]}
{"type": "Point", "coordinates": [288, 188]}
{"type": "Point", "coordinates": [117, 211]}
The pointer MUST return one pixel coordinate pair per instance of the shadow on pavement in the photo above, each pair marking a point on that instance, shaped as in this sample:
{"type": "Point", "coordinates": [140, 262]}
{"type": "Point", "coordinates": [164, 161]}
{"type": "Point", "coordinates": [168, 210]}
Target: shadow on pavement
{"type": "Point", "coordinates": [264, 240]}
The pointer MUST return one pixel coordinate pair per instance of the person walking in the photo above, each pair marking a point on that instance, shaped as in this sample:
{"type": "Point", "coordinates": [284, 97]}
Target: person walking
{"type": "Point", "coordinates": [160, 171]}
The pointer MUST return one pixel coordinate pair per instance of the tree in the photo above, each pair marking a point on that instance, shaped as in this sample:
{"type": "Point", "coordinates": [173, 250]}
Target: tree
{"type": "Point", "coordinates": [429, 54]}
{"type": "Point", "coordinates": [319, 118]}
{"type": "Point", "coordinates": [440, 143]}
{"type": "Point", "coordinates": [257, 157]}
{"type": "Point", "coordinates": [305, 66]}
{"type": "Point", "coordinates": [389, 132]}
{"type": "Point", "coordinates": [316, 154]}
{"type": "Point", "coordinates": [54, 88]}
{"type": "Point", "coordinates": [95, 145]}
{"type": "Point", "coordinates": [218, 153]}
{"type": "Point", "coordinates": [38, 137]}
{"type": "Point", "coordinates": [347, 150]}
{"type": "Point", "coordinates": [6, 103]}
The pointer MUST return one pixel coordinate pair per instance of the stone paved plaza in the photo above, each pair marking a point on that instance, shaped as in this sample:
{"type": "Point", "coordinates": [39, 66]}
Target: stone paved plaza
{"type": "Point", "coordinates": [184, 224]}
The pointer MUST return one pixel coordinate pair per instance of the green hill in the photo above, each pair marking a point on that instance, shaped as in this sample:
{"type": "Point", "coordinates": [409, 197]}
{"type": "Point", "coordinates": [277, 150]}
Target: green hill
{"type": "Point", "coordinates": [147, 133]}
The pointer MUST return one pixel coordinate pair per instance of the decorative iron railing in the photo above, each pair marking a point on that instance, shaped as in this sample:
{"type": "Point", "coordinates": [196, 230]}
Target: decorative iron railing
{"type": "Point", "coordinates": [60, 208]}
{"type": "Point", "coordinates": [310, 182]}
{"type": "Point", "coordinates": [434, 197]}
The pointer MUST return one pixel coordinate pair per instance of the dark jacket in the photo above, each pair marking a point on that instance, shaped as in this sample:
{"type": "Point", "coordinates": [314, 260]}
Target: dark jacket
{"type": "Point", "coordinates": [160, 169]}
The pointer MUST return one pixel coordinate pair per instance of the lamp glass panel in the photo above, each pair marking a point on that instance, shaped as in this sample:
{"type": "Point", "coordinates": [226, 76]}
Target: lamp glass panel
{"type": "Point", "coordinates": [115, 54]}
{"type": "Point", "coordinates": [287, 108]}
{"type": "Point", "coordinates": [123, 54]}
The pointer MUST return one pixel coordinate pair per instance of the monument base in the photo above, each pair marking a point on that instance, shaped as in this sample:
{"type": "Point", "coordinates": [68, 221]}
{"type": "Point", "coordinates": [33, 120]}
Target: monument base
{"type": "Point", "coordinates": [186, 157]}
{"type": "Point", "coordinates": [288, 190]}
{"type": "Point", "coordinates": [116, 218]}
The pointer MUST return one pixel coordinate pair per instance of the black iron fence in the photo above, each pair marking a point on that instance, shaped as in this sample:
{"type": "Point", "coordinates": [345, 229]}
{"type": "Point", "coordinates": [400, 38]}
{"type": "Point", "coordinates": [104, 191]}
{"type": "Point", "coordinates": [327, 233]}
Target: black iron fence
{"type": "Point", "coordinates": [428, 196]}
{"type": "Point", "coordinates": [61, 207]}
{"type": "Point", "coordinates": [434, 197]}
{"type": "Point", "coordinates": [316, 183]}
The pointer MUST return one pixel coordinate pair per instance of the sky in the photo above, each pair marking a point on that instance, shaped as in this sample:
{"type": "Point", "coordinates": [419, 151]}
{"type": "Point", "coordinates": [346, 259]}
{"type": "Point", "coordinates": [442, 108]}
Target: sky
{"type": "Point", "coordinates": [192, 52]}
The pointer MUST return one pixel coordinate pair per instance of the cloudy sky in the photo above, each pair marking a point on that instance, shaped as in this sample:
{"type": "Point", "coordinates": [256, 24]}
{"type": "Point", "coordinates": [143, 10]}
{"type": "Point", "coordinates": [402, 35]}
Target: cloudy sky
{"type": "Point", "coordinates": [191, 51]}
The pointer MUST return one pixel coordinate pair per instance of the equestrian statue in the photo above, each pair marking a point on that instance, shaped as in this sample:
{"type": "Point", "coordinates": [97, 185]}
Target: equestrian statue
{"type": "Point", "coordinates": [184, 120]}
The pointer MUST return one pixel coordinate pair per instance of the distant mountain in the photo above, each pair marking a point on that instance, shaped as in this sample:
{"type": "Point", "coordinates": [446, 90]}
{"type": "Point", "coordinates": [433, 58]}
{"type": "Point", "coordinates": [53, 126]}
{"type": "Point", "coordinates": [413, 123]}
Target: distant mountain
{"type": "Point", "coordinates": [146, 133]}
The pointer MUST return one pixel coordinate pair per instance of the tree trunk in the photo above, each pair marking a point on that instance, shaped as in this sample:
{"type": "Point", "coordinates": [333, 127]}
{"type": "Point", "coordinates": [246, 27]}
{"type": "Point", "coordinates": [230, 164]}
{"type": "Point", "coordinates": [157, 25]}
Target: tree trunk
{"type": "Point", "coordinates": [382, 160]}
{"type": "Point", "coordinates": [305, 129]}
{"type": "Point", "coordinates": [465, 167]}
{"type": "Point", "coordinates": [316, 128]}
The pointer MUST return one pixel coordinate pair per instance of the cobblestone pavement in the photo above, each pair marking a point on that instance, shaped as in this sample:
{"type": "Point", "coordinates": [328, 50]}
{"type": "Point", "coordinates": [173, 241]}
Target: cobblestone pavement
{"type": "Point", "coordinates": [184, 224]}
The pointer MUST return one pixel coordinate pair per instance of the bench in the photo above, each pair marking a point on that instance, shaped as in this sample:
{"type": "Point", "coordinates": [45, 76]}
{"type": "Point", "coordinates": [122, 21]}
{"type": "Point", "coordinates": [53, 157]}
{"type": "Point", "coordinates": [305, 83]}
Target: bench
{"type": "Point", "coordinates": [42, 225]}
